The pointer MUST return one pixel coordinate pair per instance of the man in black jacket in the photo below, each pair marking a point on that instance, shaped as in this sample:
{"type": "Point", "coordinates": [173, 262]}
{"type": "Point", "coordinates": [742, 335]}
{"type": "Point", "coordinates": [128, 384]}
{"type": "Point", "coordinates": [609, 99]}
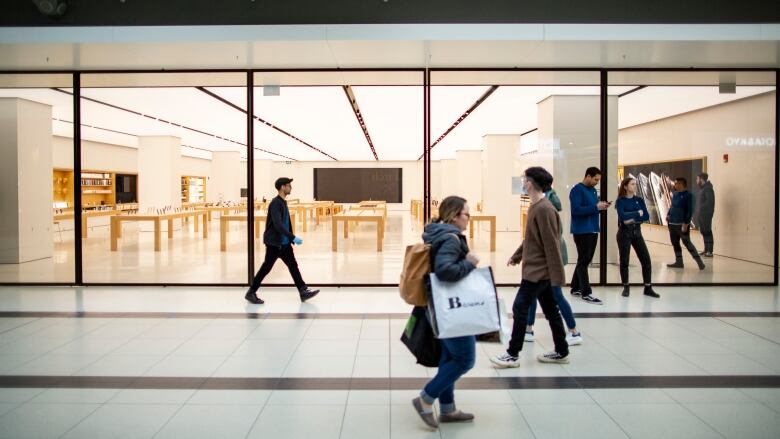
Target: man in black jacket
{"type": "Point", "coordinates": [279, 239]}
{"type": "Point", "coordinates": [705, 209]}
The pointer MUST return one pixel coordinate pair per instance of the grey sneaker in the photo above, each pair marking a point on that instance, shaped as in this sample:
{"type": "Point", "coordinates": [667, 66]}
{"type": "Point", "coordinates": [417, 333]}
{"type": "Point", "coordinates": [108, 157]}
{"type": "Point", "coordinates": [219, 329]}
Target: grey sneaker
{"type": "Point", "coordinates": [456, 416]}
{"type": "Point", "coordinates": [553, 357]}
{"type": "Point", "coordinates": [428, 418]}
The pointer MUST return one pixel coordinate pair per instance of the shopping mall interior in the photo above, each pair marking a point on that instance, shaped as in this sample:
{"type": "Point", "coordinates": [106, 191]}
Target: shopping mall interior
{"type": "Point", "coordinates": [139, 158]}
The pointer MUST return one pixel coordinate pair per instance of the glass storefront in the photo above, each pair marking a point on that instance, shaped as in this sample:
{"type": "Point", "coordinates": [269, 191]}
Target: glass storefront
{"type": "Point", "coordinates": [165, 156]}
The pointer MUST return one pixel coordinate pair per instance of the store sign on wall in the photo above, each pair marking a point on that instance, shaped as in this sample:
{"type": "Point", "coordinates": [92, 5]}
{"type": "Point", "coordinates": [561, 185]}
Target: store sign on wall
{"type": "Point", "coordinates": [754, 142]}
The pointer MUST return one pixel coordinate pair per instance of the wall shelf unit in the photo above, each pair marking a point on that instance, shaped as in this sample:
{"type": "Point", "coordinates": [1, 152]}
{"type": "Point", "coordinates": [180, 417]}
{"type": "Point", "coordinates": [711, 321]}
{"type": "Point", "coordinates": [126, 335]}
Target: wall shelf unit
{"type": "Point", "coordinates": [193, 189]}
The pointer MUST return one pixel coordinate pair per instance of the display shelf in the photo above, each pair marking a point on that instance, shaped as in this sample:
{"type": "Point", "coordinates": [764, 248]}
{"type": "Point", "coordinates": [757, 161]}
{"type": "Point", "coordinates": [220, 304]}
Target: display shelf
{"type": "Point", "coordinates": [62, 188]}
{"type": "Point", "coordinates": [193, 189]}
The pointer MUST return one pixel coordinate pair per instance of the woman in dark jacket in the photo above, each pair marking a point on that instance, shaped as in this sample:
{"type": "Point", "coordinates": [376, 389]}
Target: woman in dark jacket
{"type": "Point", "coordinates": [451, 261]}
{"type": "Point", "coordinates": [632, 212]}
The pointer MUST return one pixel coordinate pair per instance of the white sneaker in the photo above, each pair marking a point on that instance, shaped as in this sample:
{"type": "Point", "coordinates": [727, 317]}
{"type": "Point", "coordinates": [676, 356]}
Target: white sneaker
{"type": "Point", "coordinates": [553, 357]}
{"type": "Point", "coordinates": [505, 360]}
{"type": "Point", "coordinates": [574, 340]}
{"type": "Point", "coordinates": [529, 336]}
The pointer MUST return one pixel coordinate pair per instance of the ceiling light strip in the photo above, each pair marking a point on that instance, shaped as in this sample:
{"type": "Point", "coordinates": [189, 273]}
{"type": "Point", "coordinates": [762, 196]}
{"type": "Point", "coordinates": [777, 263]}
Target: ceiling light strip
{"type": "Point", "coordinates": [169, 123]}
{"type": "Point", "coordinates": [632, 91]}
{"type": "Point", "coordinates": [463, 116]}
{"type": "Point", "coordinates": [359, 116]}
{"type": "Point", "coordinates": [264, 122]}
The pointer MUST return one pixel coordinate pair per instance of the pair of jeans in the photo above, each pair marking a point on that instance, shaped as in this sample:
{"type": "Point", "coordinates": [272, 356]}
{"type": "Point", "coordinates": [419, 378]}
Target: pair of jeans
{"type": "Point", "coordinates": [709, 240]}
{"type": "Point", "coordinates": [528, 293]}
{"type": "Point", "coordinates": [586, 247]}
{"type": "Point", "coordinates": [676, 234]}
{"type": "Point", "coordinates": [630, 235]}
{"type": "Point", "coordinates": [563, 304]}
{"type": "Point", "coordinates": [458, 356]}
{"type": "Point", "coordinates": [285, 253]}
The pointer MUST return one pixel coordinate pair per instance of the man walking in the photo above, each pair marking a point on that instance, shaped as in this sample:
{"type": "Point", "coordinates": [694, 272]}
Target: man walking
{"type": "Point", "coordinates": [585, 212]}
{"type": "Point", "coordinates": [540, 254]}
{"type": "Point", "coordinates": [705, 209]}
{"type": "Point", "coordinates": [279, 239]}
{"type": "Point", "coordinates": [679, 220]}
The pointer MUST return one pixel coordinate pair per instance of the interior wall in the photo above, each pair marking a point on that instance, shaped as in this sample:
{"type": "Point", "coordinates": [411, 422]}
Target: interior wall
{"type": "Point", "coordinates": [497, 171]}
{"type": "Point", "coordinates": [744, 216]}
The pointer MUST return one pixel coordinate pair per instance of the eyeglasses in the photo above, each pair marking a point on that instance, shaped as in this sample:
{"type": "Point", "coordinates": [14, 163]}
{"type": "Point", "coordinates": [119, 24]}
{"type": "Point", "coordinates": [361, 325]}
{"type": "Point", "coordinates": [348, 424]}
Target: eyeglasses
{"type": "Point", "coordinates": [468, 215]}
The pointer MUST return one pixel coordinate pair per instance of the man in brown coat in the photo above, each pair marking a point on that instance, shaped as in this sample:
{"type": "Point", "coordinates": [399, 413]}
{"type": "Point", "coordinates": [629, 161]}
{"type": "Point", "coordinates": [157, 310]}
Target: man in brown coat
{"type": "Point", "coordinates": [540, 254]}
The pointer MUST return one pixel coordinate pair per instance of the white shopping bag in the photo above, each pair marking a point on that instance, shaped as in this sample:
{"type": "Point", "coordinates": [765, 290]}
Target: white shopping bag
{"type": "Point", "coordinates": [466, 307]}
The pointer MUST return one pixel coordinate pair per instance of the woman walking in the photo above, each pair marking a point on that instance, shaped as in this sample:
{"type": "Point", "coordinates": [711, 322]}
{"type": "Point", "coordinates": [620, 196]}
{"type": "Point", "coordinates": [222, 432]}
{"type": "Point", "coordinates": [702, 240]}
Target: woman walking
{"type": "Point", "coordinates": [632, 212]}
{"type": "Point", "coordinates": [451, 261]}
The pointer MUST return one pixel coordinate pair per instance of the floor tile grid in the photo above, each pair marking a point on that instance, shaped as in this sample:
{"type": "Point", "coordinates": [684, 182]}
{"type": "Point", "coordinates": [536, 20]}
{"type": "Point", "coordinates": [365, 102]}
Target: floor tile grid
{"type": "Point", "coordinates": [114, 398]}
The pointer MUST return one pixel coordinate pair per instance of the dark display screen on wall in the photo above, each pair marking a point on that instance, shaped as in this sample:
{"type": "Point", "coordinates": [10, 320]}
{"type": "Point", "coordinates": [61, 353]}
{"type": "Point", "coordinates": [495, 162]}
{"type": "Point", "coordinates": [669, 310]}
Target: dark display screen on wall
{"type": "Point", "coordinates": [353, 185]}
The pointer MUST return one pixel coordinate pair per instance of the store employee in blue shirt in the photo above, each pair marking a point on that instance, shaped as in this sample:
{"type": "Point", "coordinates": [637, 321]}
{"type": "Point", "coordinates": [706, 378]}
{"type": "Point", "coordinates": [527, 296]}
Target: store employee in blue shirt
{"type": "Point", "coordinates": [585, 211]}
{"type": "Point", "coordinates": [632, 212]}
{"type": "Point", "coordinates": [679, 220]}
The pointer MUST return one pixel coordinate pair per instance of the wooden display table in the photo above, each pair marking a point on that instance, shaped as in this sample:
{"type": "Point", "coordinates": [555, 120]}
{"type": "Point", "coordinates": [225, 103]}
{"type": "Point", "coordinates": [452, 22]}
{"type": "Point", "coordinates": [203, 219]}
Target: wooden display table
{"type": "Point", "coordinates": [304, 211]}
{"type": "Point", "coordinates": [417, 208]}
{"type": "Point", "coordinates": [326, 208]}
{"type": "Point", "coordinates": [372, 206]}
{"type": "Point", "coordinates": [85, 215]}
{"type": "Point", "coordinates": [260, 217]}
{"type": "Point", "coordinates": [224, 210]}
{"type": "Point", "coordinates": [157, 219]}
{"type": "Point", "coordinates": [489, 218]}
{"type": "Point", "coordinates": [357, 216]}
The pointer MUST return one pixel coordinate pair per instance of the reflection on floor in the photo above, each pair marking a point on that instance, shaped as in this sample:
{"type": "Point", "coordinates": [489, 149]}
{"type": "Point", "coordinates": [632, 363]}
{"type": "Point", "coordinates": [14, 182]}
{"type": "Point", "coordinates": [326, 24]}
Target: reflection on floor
{"type": "Point", "coordinates": [226, 374]}
{"type": "Point", "coordinates": [188, 258]}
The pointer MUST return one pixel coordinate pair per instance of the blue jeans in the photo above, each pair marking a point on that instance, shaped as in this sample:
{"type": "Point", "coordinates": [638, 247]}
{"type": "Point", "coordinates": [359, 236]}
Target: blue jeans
{"type": "Point", "coordinates": [563, 304]}
{"type": "Point", "coordinates": [457, 357]}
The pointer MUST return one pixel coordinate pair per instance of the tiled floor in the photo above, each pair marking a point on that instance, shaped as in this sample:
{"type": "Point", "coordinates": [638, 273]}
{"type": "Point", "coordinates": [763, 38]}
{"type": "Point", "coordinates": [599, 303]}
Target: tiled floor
{"type": "Point", "coordinates": [362, 342]}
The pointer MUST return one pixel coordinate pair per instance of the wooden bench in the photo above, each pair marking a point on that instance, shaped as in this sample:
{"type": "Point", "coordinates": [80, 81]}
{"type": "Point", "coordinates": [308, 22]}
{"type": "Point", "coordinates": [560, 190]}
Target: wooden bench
{"type": "Point", "coordinates": [260, 217]}
{"type": "Point", "coordinates": [357, 216]}
{"type": "Point", "coordinates": [157, 219]}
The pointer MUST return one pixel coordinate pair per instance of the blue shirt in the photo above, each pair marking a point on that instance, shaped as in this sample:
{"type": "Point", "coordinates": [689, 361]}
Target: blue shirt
{"type": "Point", "coordinates": [584, 202]}
{"type": "Point", "coordinates": [682, 208]}
{"type": "Point", "coordinates": [628, 209]}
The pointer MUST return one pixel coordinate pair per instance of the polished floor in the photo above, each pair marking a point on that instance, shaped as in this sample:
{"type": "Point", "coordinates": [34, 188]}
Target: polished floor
{"type": "Point", "coordinates": [201, 362]}
{"type": "Point", "coordinates": [188, 258]}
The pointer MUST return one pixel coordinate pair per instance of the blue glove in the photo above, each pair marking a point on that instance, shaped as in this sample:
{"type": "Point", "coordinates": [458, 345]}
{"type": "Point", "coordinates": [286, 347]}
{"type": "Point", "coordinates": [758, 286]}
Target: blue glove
{"type": "Point", "coordinates": [297, 241]}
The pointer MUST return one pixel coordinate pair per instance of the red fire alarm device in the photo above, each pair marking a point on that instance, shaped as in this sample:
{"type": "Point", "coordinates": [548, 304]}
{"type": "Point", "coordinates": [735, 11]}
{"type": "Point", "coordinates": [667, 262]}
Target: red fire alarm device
{"type": "Point", "coordinates": [725, 158]}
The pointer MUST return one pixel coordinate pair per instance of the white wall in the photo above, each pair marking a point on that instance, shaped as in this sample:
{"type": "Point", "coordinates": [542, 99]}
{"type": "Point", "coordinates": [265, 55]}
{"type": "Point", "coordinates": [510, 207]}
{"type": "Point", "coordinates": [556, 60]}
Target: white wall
{"type": "Point", "coordinates": [498, 155]}
{"type": "Point", "coordinates": [469, 175]}
{"type": "Point", "coordinates": [744, 217]}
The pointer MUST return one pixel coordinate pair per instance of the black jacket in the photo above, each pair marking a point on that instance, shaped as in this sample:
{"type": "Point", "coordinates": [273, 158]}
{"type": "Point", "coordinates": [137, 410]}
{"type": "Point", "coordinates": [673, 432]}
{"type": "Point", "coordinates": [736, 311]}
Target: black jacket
{"type": "Point", "coordinates": [448, 251]}
{"type": "Point", "coordinates": [274, 224]}
{"type": "Point", "coordinates": [705, 206]}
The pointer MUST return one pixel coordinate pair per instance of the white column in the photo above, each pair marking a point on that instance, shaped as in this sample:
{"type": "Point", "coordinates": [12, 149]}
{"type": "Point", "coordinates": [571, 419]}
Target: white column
{"type": "Point", "coordinates": [469, 172]}
{"type": "Point", "coordinates": [498, 168]}
{"type": "Point", "coordinates": [159, 174]}
{"type": "Point", "coordinates": [226, 176]}
{"type": "Point", "coordinates": [570, 132]}
{"type": "Point", "coordinates": [264, 183]}
{"type": "Point", "coordinates": [25, 181]}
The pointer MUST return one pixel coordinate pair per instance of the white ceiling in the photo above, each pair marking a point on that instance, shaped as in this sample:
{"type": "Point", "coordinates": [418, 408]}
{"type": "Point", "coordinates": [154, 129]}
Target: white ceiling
{"type": "Point", "coordinates": [322, 116]}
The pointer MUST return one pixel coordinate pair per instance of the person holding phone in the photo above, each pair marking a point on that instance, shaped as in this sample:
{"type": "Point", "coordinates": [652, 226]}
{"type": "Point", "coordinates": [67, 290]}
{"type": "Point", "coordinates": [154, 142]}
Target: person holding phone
{"type": "Point", "coordinates": [632, 212]}
{"type": "Point", "coordinates": [585, 212]}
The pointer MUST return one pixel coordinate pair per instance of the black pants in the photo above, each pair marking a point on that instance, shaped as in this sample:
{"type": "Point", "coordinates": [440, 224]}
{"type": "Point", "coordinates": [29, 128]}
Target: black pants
{"type": "Point", "coordinates": [272, 253]}
{"type": "Point", "coordinates": [676, 234]}
{"type": "Point", "coordinates": [586, 247]}
{"type": "Point", "coordinates": [709, 241]}
{"type": "Point", "coordinates": [630, 235]}
{"type": "Point", "coordinates": [528, 293]}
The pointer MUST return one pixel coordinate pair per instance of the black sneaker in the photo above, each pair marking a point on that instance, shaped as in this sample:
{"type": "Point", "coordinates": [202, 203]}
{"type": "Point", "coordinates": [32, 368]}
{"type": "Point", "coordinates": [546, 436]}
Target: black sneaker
{"type": "Point", "coordinates": [707, 254]}
{"type": "Point", "coordinates": [592, 300]}
{"type": "Point", "coordinates": [251, 297]}
{"type": "Point", "coordinates": [308, 293]}
{"type": "Point", "coordinates": [650, 293]}
{"type": "Point", "coordinates": [575, 293]}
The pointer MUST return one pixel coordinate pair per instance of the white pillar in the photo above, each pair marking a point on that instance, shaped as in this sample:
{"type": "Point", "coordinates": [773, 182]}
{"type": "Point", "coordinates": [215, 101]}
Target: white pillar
{"type": "Point", "coordinates": [264, 183]}
{"type": "Point", "coordinates": [226, 176]}
{"type": "Point", "coordinates": [159, 174]}
{"type": "Point", "coordinates": [498, 168]}
{"type": "Point", "coordinates": [25, 181]}
{"type": "Point", "coordinates": [570, 132]}
{"type": "Point", "coordinates": [469, 172]}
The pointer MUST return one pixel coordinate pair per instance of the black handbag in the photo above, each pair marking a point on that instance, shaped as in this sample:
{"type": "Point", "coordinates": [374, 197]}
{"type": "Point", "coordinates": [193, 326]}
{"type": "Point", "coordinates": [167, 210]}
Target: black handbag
{"type": "Point", "coordinates": [419, 339]}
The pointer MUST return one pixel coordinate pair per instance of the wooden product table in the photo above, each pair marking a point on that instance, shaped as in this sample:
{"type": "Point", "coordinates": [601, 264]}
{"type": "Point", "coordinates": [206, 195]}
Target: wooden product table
{"type": "Point", "coordinates": [489, 218]}
{"type": "Point", "coordinates": [157, 219]}
{"type": "Point", "coordinates": [86, 214]}
{"type": "Point", "coordinates": [372, 206]}
{"type": "Point", "coordinates": [326, 208]}
{"type": "Point", "coordinates": [304, 211]}
{"type": "Point", "coordinates": [417, 208]}
{"type": "Point", "coordinates": [260, 217]}
{"type": "Point", "coordinates": [223, 210]}
{"type": "Point", "coordinates": [357, 216]}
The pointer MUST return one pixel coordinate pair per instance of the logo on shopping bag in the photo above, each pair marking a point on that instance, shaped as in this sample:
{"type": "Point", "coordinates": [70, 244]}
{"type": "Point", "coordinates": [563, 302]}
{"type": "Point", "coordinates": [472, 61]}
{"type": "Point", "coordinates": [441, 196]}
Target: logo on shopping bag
{"type": "Point", "coordinates": [455, 302]}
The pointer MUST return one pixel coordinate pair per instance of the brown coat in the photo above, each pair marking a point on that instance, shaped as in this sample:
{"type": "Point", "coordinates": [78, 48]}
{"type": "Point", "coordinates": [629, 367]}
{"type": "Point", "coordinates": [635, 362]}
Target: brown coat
{"type": "Point", "coordinates": [540, 251]}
